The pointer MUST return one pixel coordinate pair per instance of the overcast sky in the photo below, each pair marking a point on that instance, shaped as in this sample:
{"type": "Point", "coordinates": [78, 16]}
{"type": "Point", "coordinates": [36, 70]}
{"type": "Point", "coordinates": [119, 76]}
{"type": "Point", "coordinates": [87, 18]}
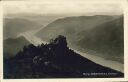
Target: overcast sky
{"type": "Point", "coordinates": [64, 7]}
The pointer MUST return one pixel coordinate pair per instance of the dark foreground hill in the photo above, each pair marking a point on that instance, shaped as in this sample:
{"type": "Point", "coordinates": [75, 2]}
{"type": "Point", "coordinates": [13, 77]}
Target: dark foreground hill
{"type": "Point", "coordinates": [54, 60]}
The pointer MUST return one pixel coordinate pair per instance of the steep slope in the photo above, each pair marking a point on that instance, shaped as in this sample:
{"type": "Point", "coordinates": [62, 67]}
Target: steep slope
{"type": "Point", "coordinates": [54, 60]}
{"type": "Point", "coordinates": [14, 26]}
{"type": "Point", "coordinates": [106, 39]}
{"type": "Point", "coordinates": [12, 46]}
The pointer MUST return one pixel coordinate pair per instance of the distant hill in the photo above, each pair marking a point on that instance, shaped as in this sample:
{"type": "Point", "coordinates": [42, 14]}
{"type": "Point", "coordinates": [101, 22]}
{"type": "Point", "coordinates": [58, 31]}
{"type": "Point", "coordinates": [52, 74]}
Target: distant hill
{"type": "Point", "coordinates": [54, 60]}
{"type": "Point", "coordinates": [100, 34]}
{"type": "Point", "coordinates": [70, 26]}
{"type": "Point", "coordinates": [12, 46]}
{"type": "Point", "coordinates": [39, 18]}
{"type": "Point", "coordinates": [14, 26]}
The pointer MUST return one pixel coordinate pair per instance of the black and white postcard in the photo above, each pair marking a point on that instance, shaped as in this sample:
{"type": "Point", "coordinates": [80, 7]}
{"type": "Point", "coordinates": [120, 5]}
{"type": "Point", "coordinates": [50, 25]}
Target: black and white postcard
{"type": "Point", "coordinates": [63, 40]}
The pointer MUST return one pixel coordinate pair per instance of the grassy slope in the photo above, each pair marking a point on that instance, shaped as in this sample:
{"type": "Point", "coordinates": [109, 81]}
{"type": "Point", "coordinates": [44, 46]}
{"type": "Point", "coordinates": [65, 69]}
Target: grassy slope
{"type": "Point", "coordinates": [12, 46]}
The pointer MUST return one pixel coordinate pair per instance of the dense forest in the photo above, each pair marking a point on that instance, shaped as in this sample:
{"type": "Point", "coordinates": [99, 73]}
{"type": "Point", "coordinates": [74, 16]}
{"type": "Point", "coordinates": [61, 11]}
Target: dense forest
{"type": "Point", "coordinates": [53, 60]}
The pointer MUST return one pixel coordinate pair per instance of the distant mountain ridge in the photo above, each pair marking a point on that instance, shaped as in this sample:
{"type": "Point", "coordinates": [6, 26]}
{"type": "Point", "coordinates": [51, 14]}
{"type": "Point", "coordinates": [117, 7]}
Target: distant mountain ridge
{"type": "Point", "coordinates": [70, 26]}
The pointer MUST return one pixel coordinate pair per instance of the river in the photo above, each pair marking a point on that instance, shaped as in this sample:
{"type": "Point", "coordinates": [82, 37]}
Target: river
{"type": "Point", "coordinates": [30, 36]}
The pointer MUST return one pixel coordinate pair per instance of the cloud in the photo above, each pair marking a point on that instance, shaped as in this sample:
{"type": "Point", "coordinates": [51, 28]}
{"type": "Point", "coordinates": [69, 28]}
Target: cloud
{"type": "Point", "coordinates": [62, 7]}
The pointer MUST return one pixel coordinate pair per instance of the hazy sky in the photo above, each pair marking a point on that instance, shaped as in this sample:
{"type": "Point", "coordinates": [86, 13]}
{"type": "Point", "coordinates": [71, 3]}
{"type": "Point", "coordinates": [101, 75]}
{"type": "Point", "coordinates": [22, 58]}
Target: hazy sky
{"type": "Point", "coordinates": [64, 7]}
